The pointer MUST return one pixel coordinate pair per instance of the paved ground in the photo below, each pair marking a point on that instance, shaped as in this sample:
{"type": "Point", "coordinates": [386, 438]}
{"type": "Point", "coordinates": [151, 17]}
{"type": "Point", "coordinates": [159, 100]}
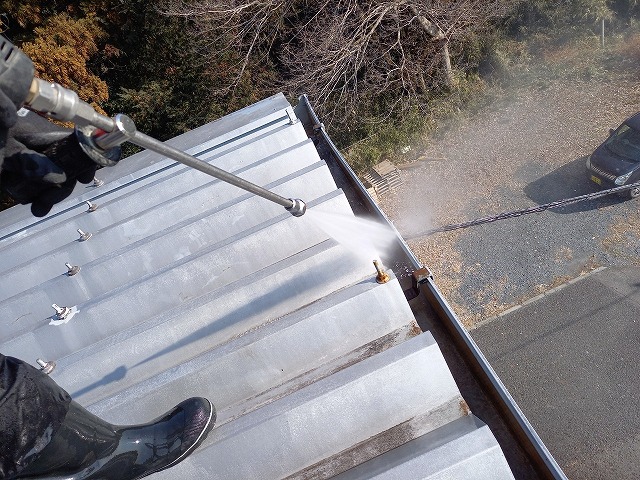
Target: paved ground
{"type": "Point", "coordinates": [570, 361]}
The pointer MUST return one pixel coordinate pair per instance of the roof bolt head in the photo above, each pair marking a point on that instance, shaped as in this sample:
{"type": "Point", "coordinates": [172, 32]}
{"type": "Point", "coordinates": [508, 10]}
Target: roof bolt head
{"type": "Point", "coordinates": [61, 312]}
{"type": "Point", "coordinates": [97, 182]}
{"type": "Point", "coordinates": [46, 367]}
{"type": "Point", "coordinates": [83, 236]}
{"type": "Point", "coordinates": [72, 269]}
{"type": "Point", "coordinates": [382, 277]}
{"type": "Point", "coordinates": [92, 206]}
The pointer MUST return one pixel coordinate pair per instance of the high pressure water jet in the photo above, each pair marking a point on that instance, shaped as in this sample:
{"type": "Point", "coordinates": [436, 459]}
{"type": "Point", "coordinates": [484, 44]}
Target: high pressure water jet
{"type": "Point", "coordinates": [95, 130]}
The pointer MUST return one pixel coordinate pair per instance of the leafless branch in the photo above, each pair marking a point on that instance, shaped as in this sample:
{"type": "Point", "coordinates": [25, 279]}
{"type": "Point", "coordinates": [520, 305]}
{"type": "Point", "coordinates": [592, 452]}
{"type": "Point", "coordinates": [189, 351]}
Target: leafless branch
{"type": "Point", "coordinates": [341, 52]}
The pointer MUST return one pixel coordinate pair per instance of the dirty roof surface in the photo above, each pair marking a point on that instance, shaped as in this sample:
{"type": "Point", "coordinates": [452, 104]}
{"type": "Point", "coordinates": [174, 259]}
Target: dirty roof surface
{"type": "Point", "coordinates": [189, 286]}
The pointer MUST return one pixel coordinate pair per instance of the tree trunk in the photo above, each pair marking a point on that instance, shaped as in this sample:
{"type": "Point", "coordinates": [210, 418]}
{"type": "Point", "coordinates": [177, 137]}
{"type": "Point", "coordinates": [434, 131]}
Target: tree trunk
{"type": "Point", "coordinates": [447, 64]}
{"type": "Point", "coordinates": [436, 35]}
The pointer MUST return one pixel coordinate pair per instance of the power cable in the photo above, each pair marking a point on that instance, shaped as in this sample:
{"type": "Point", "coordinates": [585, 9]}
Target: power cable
{"type": "Point", "coordinates": [525, 211]}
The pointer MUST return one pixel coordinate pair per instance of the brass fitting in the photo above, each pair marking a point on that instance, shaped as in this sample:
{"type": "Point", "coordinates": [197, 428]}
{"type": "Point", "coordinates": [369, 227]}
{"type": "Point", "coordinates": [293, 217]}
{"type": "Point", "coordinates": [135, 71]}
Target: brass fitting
{"type": "Point", "coordinates": [383, 277]}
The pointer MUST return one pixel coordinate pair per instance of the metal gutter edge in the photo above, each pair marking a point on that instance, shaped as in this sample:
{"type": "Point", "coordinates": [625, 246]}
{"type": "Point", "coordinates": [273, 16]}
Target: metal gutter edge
{"type": "Point", "coordinates": [530, 440]}
{"type": "Point", "coordinates": [468, 348]}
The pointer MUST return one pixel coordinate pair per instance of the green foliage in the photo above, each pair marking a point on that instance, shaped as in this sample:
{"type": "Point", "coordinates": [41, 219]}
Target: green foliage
{"type": "Point", "coordinates": [21, 18]}
{"type": "Point", "coordinates": [61, 41]}
{"type": "Point", "coordinates": [162, 79]}
{"type": "Point", "coordinates": [386, 139]}
{"type": "Point", "coordinates": [162, 71]}
{"type": "Point", "coordinates": [625, 8]}
{"type": "Point", "coordinates": [557, 16]}
{"type": "Point", "coordinates": [144, 105]}
{"type": "Point", "coordinates": [60, 50]}
{"type": "Point", "coordinates": [381, 136]}
{"type": "Point", "coordinates": [150, 61]}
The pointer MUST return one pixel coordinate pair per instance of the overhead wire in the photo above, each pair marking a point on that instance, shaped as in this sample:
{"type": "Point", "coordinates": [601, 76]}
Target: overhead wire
{"type": "Point", "coordinates": [524, 211]}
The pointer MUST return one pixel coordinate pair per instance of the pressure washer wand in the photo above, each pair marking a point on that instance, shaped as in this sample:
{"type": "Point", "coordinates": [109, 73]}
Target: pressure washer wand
{"type": "Point", "coordinates": [295, 206]}
{"type": "Point", "coordinates": [125, 130]}
{"type": "Point", "coordinates": [63, 104]}
{"type": "Point", "coordinates": [18, 83]}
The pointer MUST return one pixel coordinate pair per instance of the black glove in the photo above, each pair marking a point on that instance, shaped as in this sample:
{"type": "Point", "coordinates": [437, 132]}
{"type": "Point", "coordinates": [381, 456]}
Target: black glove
{"type": "Point", "coordinates": [8, 119]}
{"type": "Point", "coordinates": [43, 162]}
{"type": "Point", "coordinates": [32, 177]}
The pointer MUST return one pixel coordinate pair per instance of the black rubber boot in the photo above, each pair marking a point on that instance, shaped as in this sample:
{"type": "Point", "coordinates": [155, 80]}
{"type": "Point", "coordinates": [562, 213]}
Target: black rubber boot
{"type": "Point", "coordinates": [86, 447]}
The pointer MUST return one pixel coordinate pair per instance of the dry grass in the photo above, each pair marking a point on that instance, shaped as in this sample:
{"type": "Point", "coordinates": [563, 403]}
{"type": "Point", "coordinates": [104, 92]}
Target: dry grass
{"type": "Point", "coordinates": [446, 264]}
{"type": "Point", "coordinates": [628, 51]}
{"type": "Point", "coordinates": [563, 254]}
{"type": "Point", "coordinates": [437, 253]}
{"type": "Point", "coordinates": [623, 235]}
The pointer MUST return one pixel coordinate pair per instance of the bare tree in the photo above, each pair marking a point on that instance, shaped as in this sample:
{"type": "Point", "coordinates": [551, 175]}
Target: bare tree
{"type": "Point", "coordinates": [236, 35]}
{"type": "Point", "coordinates": [345, 52]}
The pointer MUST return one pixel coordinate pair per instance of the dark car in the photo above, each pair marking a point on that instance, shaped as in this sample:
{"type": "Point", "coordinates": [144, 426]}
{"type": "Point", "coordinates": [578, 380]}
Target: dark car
{"type": "Point", "coordinates": [617, 161]}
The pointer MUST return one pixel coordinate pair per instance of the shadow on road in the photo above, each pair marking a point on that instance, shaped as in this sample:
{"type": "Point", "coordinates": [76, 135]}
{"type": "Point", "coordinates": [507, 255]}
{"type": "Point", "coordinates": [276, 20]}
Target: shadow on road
{"type": "Point", "coordinates": [570, 180]}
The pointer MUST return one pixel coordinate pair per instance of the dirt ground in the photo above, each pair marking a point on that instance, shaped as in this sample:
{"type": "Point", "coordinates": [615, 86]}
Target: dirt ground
{"type": "Point", "coordinates": [526, 148]}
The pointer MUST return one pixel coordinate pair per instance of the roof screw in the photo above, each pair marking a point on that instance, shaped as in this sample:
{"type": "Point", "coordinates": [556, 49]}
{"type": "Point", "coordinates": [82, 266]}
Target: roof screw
{"type": "Point", "coordinates": [72, 269]}
{"type": "Point", "coordinates": [61, 312]}
{"type": "Point", "coordinates": [92, 206]}
{"type": "Point", "coordinates": [83, 236]}
{"type": "Point", "coordinates": [97, 182]}
{"type": "Point", "coordinates": [383, 277]}
{"type": "Point", "coordinates": [46, 367]}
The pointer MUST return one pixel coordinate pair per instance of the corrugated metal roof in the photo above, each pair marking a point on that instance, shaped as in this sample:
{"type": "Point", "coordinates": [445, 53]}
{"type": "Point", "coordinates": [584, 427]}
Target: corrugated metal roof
{"type": "Point", "coordinates": [189, 286]}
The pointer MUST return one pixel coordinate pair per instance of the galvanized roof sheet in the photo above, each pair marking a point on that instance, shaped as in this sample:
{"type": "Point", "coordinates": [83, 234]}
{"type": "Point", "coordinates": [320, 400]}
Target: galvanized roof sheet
{"type": "Point", "coordinates": [189, 286]}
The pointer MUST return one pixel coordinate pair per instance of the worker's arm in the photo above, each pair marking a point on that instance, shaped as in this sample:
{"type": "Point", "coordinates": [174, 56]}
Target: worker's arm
{"type": "Point", "coordinates": [43, 162]}
{"type": "Point", "coordinates": [40, 162]}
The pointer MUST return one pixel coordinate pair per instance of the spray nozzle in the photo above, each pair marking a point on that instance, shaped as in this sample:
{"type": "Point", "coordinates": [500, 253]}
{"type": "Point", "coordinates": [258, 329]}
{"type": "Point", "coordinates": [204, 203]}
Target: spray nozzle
{"type": "Point", "coordinates": [297, 208]}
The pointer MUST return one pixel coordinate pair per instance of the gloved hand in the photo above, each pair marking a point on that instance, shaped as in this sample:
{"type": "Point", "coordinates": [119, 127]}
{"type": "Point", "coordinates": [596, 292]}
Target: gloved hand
{"type": "Point", "coordinates": [32, 177]}
{"type": "Point", "coordinates": [43, 162]}
{"type": "Point", "coordinates": [8, 119]}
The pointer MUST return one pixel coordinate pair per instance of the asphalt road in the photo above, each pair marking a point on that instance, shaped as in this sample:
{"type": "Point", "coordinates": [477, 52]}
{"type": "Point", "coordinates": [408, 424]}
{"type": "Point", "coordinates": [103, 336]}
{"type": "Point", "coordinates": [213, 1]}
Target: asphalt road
{"type": "Point", "coordinates": [570, 361]}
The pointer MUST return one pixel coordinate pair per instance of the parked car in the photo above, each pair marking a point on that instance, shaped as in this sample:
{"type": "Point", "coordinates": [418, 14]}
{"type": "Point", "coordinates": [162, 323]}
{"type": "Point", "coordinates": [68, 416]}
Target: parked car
{"type": "Point", "coordinates": [617, 161]}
